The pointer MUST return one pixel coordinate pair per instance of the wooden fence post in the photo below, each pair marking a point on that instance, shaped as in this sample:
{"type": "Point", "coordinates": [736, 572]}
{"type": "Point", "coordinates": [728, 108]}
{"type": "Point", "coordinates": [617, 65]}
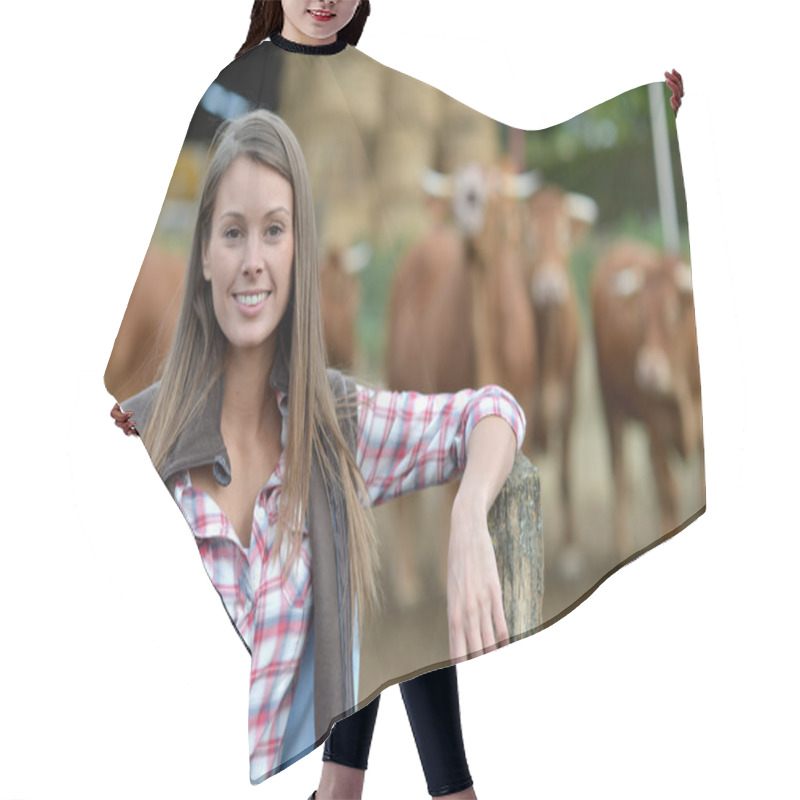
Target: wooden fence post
{"type": "Point", "coordinates": [515, 526]}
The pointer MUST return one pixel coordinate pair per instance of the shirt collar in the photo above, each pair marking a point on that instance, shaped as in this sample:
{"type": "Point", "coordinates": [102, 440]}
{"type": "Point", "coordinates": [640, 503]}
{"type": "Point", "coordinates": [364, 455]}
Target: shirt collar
{"type": "Point", "coordinates": [201, 441]}
{"type": "Point", "coordinates": [309, 49]}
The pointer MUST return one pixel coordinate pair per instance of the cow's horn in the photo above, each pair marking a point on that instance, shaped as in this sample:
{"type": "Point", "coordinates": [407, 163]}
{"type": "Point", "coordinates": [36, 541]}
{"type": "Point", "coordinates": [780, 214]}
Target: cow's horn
{"type": "Point", "coordinates": [356, 257]}
{"type": "Point", "coordinates": [627, 282]}
{"type": "Point", "coordinates": [582, 207]}
{"type": "Point", "coordinates": [436, 184]}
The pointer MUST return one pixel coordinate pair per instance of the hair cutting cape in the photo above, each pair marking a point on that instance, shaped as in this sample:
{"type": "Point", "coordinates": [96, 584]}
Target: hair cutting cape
{"type": "Point", "coordinates": [457, 252]}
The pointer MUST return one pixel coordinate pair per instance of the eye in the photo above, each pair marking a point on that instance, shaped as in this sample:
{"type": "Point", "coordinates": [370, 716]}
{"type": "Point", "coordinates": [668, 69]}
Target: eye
{"type": "Point", "coordinates": [232, 233]}
{"type": "Point", "coordinates": [274, 230]}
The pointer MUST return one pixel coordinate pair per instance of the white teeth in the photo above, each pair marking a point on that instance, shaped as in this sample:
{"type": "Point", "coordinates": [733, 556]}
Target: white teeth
{"type": "Point", "coordinates": [251, 299]}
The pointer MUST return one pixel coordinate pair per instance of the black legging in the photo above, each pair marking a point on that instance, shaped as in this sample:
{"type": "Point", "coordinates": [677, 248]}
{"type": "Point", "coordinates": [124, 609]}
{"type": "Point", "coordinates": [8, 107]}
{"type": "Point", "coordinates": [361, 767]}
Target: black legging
{"type": "Point", "coordinates": [432, 706]}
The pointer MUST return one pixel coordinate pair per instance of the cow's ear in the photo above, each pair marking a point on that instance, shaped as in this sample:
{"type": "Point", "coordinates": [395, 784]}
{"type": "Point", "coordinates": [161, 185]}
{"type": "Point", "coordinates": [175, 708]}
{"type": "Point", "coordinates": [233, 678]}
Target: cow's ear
{"type": "Point", "coordinates": [628, 281]}
{"type": "Point", "coordinates": [436, 184]}
{"type": "Point", "coordinates": [521, 186]}
{"type": "Point", "coordinates": [356, 257]}
{"type": "Point", "coordinates": [582, 212]}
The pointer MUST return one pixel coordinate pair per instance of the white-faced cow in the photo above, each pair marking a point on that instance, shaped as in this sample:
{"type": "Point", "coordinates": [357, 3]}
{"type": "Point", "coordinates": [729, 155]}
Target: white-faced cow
{"type": "Point", "coordinates": [646, 343]}
{"type": "Point", "coordinates": [556, 220]}
{"type": "Point", "coordinates": [460, 314]}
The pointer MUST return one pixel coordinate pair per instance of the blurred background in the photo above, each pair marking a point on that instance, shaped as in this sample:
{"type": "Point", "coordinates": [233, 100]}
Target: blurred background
{"type": "Point", "coordinates": [440, 271]}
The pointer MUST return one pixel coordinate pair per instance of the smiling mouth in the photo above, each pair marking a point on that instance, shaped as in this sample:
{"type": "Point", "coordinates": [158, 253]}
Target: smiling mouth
{"type": "Point", "coordinates": [323, 16]}
{"type": "Point", "coordinates": [252, 298]}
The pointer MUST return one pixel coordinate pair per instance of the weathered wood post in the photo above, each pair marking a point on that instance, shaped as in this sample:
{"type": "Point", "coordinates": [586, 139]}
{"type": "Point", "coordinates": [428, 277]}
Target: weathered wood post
{"type": "Point", "coordinates": [515, 526]}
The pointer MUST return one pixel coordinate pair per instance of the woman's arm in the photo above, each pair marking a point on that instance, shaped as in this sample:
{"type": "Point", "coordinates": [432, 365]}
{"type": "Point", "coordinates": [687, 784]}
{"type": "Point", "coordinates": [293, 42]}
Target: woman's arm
{"type": "Point", "coordinates": [474, 600]}
{"type": "Point", "coordinates": [409, 441]}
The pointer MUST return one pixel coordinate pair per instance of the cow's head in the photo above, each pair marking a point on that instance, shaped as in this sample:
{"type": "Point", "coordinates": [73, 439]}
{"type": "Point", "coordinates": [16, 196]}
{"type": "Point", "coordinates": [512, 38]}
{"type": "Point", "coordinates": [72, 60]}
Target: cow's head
{"type": "Point", "coordinates": [556, 221]}
{"type": "Point", "coordinates": [660, 293]}
{"type": "Point", "coordinates": [474, 189]}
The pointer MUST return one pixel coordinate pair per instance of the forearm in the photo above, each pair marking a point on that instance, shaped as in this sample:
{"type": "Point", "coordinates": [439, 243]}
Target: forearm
{"type": "Point", "coordinates": [491, 448]}
{"type": "Point", "coordinates": [474, 599]}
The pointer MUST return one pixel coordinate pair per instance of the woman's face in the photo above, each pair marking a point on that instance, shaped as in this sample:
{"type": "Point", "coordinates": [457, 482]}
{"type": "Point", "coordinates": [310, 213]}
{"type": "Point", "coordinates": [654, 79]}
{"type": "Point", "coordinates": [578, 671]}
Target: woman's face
{"type": "Point", "coordinates": [315, 22]}
{"type": "Point", "coordinates": [248, 256]}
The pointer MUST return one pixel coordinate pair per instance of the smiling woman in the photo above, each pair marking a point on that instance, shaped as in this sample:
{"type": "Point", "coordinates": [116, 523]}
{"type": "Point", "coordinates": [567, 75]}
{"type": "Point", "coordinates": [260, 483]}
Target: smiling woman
{"type": "Point", "coordinates": [275, 463]}
{"type": "Point", "coordinates": [306, 22]}
{"type": "Point", "coordinates": [248, 256]}
{"type": "Point", "coordinates": [316, 21]}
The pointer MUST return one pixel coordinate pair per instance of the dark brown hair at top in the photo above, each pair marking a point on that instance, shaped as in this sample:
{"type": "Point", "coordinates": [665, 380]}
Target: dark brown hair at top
{"type": "Point", "coordinates": [266, 19]}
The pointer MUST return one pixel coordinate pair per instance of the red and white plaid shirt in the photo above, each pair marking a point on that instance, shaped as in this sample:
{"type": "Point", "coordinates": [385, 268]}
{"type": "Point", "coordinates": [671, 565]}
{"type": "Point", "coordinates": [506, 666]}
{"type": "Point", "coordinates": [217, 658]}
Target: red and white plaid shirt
{"type": "Point", "coordinates": [406, 441]}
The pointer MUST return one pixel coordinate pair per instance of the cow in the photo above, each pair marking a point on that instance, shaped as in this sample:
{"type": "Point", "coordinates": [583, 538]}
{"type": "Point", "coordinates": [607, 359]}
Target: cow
{"type": "Point", "coordinates": [340, 299]}
{"type": "Point", "coordinates": [646, 347]}
{"type": "Point", "coordinates": [459, 313]}
{"type": "Point", "coordinates": [145, 333]}
{"type": "Point", "coordinates": [556, 219]}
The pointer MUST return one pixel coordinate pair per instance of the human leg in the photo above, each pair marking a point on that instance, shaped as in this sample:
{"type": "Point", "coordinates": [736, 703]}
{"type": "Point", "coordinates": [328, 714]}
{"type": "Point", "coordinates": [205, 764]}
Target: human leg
{"type": "Point", "coordinates": [432, 705]}
{"type": "Point", "coordinates": [433, 710]}
{"type": "Point", "coordinates": [344, 759]}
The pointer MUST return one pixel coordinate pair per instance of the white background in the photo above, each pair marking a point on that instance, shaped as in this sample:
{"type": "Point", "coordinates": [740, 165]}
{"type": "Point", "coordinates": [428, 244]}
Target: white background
{"type": "Point", "coordinates": [121, 676]}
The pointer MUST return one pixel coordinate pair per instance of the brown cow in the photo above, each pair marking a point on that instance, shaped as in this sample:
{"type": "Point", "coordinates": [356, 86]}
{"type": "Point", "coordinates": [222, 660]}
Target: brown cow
{"type": "Point", "coordinates": [556, 221]}
{"type": "Point", "coordinates": [646, 343]}
{"type": "Point", "coordinates": [459, 313]}
{"type": "Point", "coordinates": [340, 299]}
{"type": "Point", "coordinates": [145, 334]}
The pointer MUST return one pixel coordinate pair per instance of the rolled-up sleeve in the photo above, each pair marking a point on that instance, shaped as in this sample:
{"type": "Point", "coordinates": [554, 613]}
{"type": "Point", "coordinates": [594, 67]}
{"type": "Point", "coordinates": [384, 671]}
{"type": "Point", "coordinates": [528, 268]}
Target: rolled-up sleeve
{"type": "Point", "coordinates": [409, 441]}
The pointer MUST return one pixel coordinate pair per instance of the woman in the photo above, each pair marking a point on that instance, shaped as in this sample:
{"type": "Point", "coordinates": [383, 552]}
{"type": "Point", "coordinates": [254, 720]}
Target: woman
{"type": "Point", "coordinates": [307, 22]}
{"type": "Point", "coordinates": [243, 428]}
{"type": "Point", "coordinates": [431, 699]}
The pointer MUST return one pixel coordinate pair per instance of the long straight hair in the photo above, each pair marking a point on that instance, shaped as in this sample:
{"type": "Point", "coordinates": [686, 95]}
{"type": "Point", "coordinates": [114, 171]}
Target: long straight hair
{"type": "Point", "coordinates": [196, 358]}
{"type": "Point", "coordinates": [266, 19]}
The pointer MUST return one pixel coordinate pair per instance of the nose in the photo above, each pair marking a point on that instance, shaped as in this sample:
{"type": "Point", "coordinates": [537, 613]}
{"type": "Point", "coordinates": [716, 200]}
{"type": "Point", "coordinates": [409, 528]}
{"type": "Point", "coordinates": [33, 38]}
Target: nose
{"type": "Point", "coordinates": [653, 371]}
{"type": "Point", "coordinates": [253, 264]}
{"type": "Point", "coordinates": [549, 286]}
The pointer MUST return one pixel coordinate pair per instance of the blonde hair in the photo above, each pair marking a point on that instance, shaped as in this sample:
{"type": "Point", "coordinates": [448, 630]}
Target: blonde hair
{"type": "Point", "coordinates": [196, 357]}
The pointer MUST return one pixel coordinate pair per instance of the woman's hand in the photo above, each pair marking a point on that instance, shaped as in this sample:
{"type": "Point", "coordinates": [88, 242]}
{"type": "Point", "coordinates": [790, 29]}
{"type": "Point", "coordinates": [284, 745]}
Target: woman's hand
{"type": "Point", "coordinates": [474, 600]}
{"type": "Point", "coordinates": [124, 420]}
{"type": "Point", "coordinates": [675, 83]}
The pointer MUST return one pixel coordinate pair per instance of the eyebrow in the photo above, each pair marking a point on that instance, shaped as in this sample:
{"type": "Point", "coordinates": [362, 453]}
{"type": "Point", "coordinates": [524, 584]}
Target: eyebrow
{"type": "Point", "coordinates": [272, 211]}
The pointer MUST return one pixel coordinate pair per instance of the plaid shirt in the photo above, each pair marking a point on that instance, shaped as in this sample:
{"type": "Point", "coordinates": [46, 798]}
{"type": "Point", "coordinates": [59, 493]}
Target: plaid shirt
{"type": "Point", "coordinates": [406, 441]}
